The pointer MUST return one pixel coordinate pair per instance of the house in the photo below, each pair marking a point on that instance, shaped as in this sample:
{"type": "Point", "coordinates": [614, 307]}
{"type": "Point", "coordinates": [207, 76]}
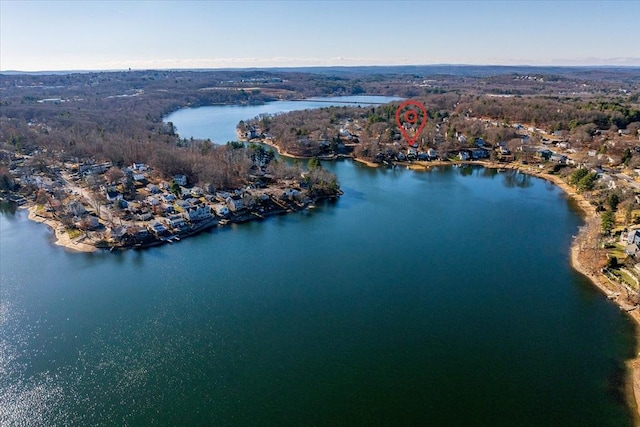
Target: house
{"type": "Point", "coordinates": [180, 179]}
{"type": "Point", "coordinates": [251, 134]}
{"type": "Point", "coordinates": [153, 189]}
{"type": "Point", "coordinates": [140, 178]}
{"type": "Point", "coordinates": [158, 228]}
{"type": "Point", "coordinates": [76, 208]}
{"type": "Point", "coordinates": [633, 238]}
{"type": "Point", "coordinates": [198, 213]}
{"type": "Point", "coordinates": [118, 232]}
{"type": "Point", "coordinates": [464, 155]}
{"type": "Point", "coordinates": [221, 210]}
{"type": "Point", "coordinates": [112, 194]}
{"type": "Point", "coordinates": [139, 167]}
{"type": "Point", "coordinates": [558, 158]}
{"type": "Point", "coordinates": [89, 222]}
{"type": "Point", "coordinates": [145, 216]}
{"type": "Point", "coordinates": [183, 204]}
{"type": "Point", "coordinates": [479, 153]}
{"type": "Point", "coordinates": [235, 203]}
{"type": "Point", "coordinates": [176, 221]}
{"type": "Point", "coordinates": [544, 154]}
{"type": "Point", "coordinates": [432, 154]}
{"type": "Point", "coordinates": [153, 201]}
{"type": "Point", "coordinates": [290, 192]}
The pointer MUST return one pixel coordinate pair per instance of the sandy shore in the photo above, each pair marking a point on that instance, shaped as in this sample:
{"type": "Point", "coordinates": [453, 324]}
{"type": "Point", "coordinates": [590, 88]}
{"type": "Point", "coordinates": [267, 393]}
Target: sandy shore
{"type": "Point", "coordinates": [281, 151]}
{"type": "Point", "coordinates": [599, 280]}
{"type": "Point", "coordinates": [602, 282]}
{"type": "Point", "coordinates": [62, 237]}
{"type": "Point", "coordinates": [366, 162]}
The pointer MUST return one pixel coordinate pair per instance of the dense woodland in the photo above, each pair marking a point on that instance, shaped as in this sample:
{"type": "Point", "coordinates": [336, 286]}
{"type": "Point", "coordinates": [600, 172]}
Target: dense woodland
{"type": "Point", "coordinates": [577, 120]}
{"type": "Point", "coordinates": [117, 116]}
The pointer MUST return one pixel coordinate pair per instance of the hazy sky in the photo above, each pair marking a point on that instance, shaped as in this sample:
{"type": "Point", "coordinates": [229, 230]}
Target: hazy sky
{"type": "Point", "coordinates": [74, 35]}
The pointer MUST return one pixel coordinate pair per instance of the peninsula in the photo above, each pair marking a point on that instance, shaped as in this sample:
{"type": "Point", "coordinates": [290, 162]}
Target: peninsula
{"type": "Point", "coordinates": [90, 155]}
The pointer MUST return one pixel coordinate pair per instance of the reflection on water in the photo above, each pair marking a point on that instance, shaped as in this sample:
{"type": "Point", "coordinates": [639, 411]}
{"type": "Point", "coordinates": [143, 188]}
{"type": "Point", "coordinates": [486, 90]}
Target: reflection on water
{"type": "Point", "coordinates": [435, 298]}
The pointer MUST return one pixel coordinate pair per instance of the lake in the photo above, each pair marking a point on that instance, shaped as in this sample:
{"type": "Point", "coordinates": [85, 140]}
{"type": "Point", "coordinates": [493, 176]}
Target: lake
{"type": "Point", "coordinates": [417, 298]}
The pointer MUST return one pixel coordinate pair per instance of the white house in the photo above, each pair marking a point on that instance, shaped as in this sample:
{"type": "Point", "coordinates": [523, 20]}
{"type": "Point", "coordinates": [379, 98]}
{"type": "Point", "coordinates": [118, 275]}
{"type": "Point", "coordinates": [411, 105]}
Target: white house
{"type": "Point", "coordinates": [198, 213]}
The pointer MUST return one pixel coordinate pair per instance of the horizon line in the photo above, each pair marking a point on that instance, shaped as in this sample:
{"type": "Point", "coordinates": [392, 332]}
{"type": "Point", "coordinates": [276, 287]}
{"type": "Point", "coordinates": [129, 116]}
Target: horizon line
{"type": "Point", "coordinates": [284, 67]}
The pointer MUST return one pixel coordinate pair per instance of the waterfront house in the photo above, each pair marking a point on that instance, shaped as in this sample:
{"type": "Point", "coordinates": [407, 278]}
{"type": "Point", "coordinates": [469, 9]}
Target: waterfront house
{"type": "Point", "coordinates": [290, 193]}
{"type": "Point", "coordinates": [235, 203]}
{"type": "Point", "coordinates": [158, 228]}
{"type": "Point", "coordinates": [198, 213]}
{"type": "Point", "coordinates": [479, 153]}
{"type": "Point", "coordinates": [463, 155]}
{"type": "Point", "coordinates": [176, 221]}
{"type": "Point", "coordinates": [221, 210]}
{"type": "Point", "coordinates": [117, 233]}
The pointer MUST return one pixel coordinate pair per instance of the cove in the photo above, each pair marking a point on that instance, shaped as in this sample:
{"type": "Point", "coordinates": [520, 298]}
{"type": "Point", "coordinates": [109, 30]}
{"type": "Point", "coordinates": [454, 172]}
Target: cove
{"type": "Point", "coordinates": [434, 298]}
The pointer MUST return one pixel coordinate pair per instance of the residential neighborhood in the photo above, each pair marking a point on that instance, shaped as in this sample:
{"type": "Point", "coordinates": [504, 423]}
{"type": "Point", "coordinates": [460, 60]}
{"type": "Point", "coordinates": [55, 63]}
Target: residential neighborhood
{"type": "Point", "coordinates": [134, 206]}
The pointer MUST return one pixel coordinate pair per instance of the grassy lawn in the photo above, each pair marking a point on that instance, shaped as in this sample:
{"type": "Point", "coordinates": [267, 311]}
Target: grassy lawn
{"type": "Point", "coordinates": [619, 274]}
{"type": "Point", "coordinates": [73, 233]}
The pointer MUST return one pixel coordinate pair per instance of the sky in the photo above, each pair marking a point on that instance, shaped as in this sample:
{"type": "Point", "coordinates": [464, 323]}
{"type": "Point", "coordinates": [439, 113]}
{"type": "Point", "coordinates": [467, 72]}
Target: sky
{"type": "Point", "coordinates": [109, 35]}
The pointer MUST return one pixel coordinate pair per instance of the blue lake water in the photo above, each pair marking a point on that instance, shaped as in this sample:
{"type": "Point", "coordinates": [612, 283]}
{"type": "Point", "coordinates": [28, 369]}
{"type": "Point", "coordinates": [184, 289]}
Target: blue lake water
{"type": "Point", "coordinates": [435, 298]}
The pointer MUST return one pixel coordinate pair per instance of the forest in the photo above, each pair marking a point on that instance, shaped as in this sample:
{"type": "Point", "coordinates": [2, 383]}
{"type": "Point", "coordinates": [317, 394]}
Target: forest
{"type": "Point", "coordinates": [117, 116]}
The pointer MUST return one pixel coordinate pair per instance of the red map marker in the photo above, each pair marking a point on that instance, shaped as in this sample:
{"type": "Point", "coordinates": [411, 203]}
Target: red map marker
{"type": "Point", "coordinates": [409, 113]}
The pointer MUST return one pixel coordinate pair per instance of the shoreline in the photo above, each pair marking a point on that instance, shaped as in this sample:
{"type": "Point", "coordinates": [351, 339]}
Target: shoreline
{"type": "Point", "coordinates": [601, 282]}
{"type": "Point", "coordinates": [62, 238]}
{"type": "Point", "coordinates": [597, 279]}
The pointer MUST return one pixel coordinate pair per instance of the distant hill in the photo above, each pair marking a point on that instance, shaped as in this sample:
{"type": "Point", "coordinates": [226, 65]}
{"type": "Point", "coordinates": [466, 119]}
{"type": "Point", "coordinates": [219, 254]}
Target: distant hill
{"type": "Point", "coordinates": [423, 70]}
